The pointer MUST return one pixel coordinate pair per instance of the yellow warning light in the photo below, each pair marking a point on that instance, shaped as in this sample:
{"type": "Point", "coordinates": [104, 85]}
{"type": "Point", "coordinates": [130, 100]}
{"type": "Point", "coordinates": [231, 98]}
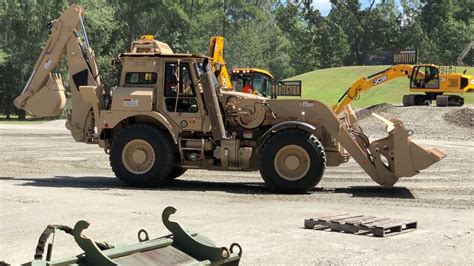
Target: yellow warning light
{"type": "Point", "coordinates": [147, 37]}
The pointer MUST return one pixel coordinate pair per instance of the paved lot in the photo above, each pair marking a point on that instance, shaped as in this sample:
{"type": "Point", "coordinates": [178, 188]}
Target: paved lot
{"type": "Point", "coordinates": [45, 177]}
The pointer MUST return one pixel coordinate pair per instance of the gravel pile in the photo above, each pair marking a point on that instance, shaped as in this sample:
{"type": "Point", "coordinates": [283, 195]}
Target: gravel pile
{"type": "Point", "coordinates": [427, 122]}
{"type": "Point", "coordinates": [378, 108]}
{"type": "Point", "coordinates": [463, 117]}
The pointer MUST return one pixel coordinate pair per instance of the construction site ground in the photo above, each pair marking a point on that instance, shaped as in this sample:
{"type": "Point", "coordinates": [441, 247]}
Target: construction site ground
{"type": "Point", "coordinates": [47, 178]}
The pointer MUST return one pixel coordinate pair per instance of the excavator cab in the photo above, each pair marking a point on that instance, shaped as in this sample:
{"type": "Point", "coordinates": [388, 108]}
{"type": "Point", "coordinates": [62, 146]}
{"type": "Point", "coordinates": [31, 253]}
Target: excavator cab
{"type": "Point", "coordinates": [252, 80]}
{"type": "Point", "coordinates": [424, 77]}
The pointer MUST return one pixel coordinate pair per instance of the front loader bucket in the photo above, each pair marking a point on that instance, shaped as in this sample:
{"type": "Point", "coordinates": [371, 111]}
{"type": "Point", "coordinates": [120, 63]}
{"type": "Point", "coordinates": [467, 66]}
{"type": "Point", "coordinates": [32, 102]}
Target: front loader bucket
{"type": "Point", "coordinates": [48, 101]}
{"type": "Point", "coordinates": [397, 156]}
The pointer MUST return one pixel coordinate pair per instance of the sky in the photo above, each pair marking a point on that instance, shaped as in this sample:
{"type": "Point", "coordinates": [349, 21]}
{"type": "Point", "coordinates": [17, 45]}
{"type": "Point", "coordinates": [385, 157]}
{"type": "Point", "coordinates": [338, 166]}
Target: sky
{"type": "Point", "coordinates": [325, 6]}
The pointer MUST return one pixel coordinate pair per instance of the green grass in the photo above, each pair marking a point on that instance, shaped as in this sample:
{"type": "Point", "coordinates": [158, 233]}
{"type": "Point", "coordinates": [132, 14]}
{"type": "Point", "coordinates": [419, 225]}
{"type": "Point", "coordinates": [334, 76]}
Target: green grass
{"type": "Point", "coordinates": [328, 85]}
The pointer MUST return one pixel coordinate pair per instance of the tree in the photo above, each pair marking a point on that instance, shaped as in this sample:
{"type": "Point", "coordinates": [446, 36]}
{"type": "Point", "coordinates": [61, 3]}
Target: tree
{"type": "Point", "coordinates": [448, 28]}
{"type": "Point", "coordinates": [335, 45]}
{"type": "Point", "coordinates": [3, 57]}
{"type": "Point", "coordinates": [302, 26]}
{"type": "Point", "coordinates": [356, 25]}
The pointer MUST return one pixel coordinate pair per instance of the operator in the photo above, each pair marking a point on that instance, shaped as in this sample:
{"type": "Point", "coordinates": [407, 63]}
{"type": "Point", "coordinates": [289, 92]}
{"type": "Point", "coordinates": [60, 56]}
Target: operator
{"type": "Point", "coordinates": [430, 80]}
{"type": "Point", "coordinates": [171, 80]}
{"type": "Point", "coordinates": [248, 87]}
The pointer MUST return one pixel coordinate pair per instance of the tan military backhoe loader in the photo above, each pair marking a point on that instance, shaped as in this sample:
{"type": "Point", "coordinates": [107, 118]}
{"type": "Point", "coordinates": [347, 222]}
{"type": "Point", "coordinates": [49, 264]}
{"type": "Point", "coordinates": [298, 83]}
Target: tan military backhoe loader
{"type": "Point", "coordinates": [168, 113]}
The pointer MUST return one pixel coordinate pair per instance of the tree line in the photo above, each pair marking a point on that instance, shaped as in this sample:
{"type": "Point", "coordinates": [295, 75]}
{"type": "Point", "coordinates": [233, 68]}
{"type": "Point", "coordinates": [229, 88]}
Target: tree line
{"type": "Point", "coordinates": [286, 37]}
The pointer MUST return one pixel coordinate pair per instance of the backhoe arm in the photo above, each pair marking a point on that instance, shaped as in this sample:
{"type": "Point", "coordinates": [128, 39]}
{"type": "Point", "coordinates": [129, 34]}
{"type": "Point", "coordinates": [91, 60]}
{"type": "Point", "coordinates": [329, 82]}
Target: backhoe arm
{"type": "Point", "coordinates": [367, 83]}
{"type": "Point", "coordinates": [216, 52]}
{"type": "Point", "coordinates": [44, 93]}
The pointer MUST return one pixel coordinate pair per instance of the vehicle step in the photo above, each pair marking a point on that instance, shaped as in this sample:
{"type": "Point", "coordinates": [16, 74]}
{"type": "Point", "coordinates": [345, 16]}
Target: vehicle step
{"type": "Point", "coordinates": [360, 224]}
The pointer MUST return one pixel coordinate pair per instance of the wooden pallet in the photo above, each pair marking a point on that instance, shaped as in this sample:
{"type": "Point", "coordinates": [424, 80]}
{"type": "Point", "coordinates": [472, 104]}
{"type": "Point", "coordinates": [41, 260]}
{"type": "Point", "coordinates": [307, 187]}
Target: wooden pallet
{"type": "Point", "coordinates": [355, 224]}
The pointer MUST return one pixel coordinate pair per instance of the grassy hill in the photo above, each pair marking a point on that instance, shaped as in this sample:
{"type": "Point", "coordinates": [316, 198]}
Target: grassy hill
{"type": "Point", "coordinates": [329, 84]}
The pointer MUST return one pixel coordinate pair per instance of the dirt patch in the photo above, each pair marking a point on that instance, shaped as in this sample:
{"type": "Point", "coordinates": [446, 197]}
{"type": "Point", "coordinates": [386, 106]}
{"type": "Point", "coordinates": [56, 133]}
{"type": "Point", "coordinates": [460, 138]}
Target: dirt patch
{"type": "Point", "coordinates": [463, 117]}
{"type": "Point", "coordinates": [428, 122]}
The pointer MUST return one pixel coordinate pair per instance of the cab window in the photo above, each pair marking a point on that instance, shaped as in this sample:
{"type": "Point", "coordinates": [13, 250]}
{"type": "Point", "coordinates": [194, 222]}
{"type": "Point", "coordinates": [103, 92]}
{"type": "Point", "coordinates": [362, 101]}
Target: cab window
{"type": "Point", "coordinates": [140, 78]}
{"type": "Point", "coordinates": [425, 77]}
{"type": "Point", "coordinates": [259, 84]}
{"type": "Point", "coordinates": [178, 84]}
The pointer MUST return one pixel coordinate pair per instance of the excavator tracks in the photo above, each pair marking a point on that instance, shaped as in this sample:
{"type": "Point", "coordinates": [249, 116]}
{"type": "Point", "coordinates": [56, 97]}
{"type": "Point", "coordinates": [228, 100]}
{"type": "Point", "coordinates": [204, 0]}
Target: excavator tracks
{"type": "Point", "coordinates": [441, 100]}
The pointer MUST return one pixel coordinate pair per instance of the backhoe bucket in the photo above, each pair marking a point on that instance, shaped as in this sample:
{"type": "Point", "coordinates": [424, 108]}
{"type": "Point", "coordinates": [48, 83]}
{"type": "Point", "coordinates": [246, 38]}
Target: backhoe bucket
{"type": "Point", "coordinates": [48, 101]}
{"type": "Point", "coordinates": [397, 156]}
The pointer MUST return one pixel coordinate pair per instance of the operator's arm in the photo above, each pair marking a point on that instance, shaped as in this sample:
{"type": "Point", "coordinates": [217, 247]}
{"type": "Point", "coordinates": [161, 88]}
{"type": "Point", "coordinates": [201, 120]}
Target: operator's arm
{"type": "Point", "coordinates": [43, 94]}
{"type": "Point", "coordinates": [367, 83]}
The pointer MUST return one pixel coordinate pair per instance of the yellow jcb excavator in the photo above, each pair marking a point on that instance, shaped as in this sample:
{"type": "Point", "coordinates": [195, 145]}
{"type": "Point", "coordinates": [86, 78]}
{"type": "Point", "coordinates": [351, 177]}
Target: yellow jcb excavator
{"type": "Point", "coordinates": [423, 79]}
{"type": "Point", "coordinates": [248, 79]}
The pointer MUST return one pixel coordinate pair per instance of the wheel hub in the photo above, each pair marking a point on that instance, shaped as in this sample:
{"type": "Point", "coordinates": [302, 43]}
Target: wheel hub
{"type": "Point", "coordinates": [138, 156]}
{"type": "Point", "coordinates": [292, 162]}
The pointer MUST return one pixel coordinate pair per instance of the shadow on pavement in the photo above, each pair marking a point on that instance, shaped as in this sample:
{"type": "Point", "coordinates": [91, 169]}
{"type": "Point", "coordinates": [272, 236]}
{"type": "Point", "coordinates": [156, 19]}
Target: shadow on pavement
{"type": "Point", "coordinates": [371, 192]}
{"type": "Point", "coordinates": [106, 183]}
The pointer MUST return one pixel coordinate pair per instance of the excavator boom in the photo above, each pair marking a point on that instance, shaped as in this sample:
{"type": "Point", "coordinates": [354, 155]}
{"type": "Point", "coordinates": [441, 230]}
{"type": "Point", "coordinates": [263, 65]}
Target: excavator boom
{"type": "Point", "coordinates": [216, 52]}
{"type": "Point", "coordinates": [366, 83]}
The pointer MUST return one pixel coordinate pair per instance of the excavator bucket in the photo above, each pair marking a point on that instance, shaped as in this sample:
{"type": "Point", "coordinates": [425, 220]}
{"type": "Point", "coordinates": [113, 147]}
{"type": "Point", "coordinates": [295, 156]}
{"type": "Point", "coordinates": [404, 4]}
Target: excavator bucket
{"type": "Point", "coordinates": [48, 101]}
{"type": "Point", "coordinates": [397, 156]}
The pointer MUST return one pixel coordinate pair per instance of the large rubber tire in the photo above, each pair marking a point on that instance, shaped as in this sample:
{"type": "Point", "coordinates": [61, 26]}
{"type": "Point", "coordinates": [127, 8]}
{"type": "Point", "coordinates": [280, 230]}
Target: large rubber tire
{"type": "Point", "coordinates": [141, 139]}
{"type": "Point", "coordinates": [176, 172]}
{"type": "Point", "coordinates": [294, 143]}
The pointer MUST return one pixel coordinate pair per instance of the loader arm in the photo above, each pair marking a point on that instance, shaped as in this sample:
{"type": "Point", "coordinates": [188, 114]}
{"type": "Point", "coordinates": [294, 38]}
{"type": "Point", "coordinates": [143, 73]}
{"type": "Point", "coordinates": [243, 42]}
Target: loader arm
{"type": "Point", "coordinates": [44, 93]}
{"type": "Point", "coordinates": [216, 52]}
{"type": "Point", "coordinates": [370, 82]}
{"type": "Point", "coordinates": [384, 160]}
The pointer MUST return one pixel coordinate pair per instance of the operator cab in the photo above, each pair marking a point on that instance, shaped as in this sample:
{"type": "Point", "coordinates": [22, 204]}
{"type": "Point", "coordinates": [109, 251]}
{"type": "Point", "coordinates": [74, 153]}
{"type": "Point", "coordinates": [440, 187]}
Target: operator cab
{"type": "Point", "coordinates": [424, 77]}
{"type": "Point", "coordinates": [252, 80]}
{"type": "Point", "coordinates": [155, 79]}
